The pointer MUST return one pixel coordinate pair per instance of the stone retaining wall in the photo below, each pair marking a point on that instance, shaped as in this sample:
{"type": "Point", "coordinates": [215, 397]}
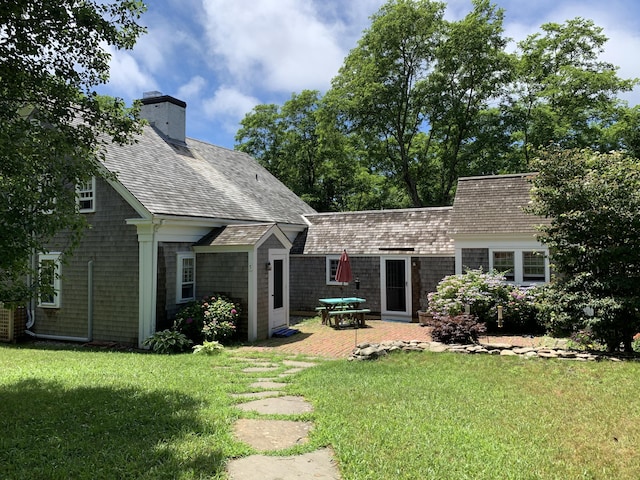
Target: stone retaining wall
{"type": "Point", "coordinates": [370, 351]}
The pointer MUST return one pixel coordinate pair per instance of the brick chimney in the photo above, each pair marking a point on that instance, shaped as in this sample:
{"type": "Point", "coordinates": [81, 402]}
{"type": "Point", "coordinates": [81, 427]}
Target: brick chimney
{"type": "Point", "coordinates": [166, 114]}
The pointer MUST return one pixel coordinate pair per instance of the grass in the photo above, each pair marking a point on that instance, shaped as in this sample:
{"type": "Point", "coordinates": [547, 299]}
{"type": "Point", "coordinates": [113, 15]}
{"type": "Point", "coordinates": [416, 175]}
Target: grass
{"type": "Point", "coordinates": [101, 415]}
{"type": "Point", "coordinates": [453, 416]}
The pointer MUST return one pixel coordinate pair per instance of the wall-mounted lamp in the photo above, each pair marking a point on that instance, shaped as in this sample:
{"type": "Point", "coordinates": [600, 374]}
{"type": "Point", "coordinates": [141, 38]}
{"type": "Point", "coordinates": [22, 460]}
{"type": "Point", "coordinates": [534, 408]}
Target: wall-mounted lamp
{"type": "Point", "coordinates": [357, 283]}
{"type": "Point", "coordinates": [268, 265]}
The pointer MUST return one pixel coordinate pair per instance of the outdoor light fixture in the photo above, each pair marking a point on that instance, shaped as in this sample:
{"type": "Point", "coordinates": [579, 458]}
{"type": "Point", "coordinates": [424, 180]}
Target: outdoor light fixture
{"type": "Point", "coordinates": [357, 283]}
{"type": "Point", "coordinates": [268, 265]}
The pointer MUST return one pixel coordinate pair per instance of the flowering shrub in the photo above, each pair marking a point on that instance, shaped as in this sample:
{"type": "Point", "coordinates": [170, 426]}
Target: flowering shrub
{"type": "Point", "coordinates": [212, 319]}
{"type": "Point", "coordinates": [483, 293]}
{"type": "Point", "coordinates": [635, 345]}
{"type": "Point", "coordinates": [585, 340]}
{"type": "Point", "coordinates": [457, 329]}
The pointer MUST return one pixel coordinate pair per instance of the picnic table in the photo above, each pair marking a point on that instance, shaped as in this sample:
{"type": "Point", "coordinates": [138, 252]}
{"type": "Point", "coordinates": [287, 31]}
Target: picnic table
{"type": "Point", "coordinates": [341, 309]}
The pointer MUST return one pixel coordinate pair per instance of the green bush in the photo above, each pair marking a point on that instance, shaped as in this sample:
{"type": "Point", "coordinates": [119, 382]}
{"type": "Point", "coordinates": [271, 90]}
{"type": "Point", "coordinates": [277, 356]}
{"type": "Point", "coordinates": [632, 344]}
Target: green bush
{"type": "Point", "coordinates": [462, 329]}
{"type": "Point", "coordinates": [212, 319]}
{"type": "Point", "coordinates": [483, 293]}
{"type": "Point", "coordinates": [168, 341]}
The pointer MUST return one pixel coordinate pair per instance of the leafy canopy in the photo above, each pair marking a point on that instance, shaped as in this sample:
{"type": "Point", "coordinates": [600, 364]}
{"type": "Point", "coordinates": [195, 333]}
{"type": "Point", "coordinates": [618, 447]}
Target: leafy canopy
{"type": "Point", "coordinates": [52, 123]}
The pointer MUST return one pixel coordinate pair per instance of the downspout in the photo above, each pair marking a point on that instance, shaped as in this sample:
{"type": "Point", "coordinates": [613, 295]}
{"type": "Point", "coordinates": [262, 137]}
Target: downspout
{"type": "Point", "coordinates": [90, 300]}
{"type": "Point", "coordinates": [65, 338]}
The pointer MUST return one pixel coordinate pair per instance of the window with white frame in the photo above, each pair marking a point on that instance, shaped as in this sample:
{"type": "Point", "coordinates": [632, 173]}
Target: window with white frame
{"type": "Point", "coordinates": [332, 269]}
{"type": "Point", "coordinates": [533, 267]}
{"type": "Point", "coordinates": [504, 262]}
{"type": "Point", "coordinates": [49, 270]}
{"type": "Point", "coordinates": [521, 266]}
{"type": "Point", "coordinates": [86, 194]}
{"type": "Point", "coordinates": [186, 277]}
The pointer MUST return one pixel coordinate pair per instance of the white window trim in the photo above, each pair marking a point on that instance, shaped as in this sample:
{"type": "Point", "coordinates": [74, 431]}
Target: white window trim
{"type": "Point", "coordinates": [92, 197]}
{"type": "Point", "coordinates": [518, 264]}
{"type": "Point", "coordinates": [328, 260]}
{"type": "Point", "coordinates": [180, 257]}
{"type": "Point", "coordinates": [57, 281]}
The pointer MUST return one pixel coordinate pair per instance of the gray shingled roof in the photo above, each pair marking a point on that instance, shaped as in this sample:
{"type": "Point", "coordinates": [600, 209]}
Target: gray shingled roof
{"type": "Point", "coordinates": [420, 231]}
{"type": "Point", "coordinates": [494, 205]}
{"type": "Point", "coordinates": [235, 235]}
{"type": "Point", "coordinates": [202, 180]}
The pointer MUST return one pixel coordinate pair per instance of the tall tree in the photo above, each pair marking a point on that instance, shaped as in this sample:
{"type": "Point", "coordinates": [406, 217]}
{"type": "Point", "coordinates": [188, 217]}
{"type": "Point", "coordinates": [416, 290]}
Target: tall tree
{"type": "Point", "coordinates": [381, 91]}
{"type": "Point", "coordinates": [564, 92]}
{"type": "Point", "coordinates": [52, 123]}
{"type": "Point", "coordinates": [593, 201]}
{"type": "Point", "coordinates": [472, 71]}
{"type": "Point", "coordinates": [300, 144]}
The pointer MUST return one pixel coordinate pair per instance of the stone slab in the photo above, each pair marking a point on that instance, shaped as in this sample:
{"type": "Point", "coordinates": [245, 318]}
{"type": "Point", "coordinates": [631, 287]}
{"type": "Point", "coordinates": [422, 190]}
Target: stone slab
{"type": "Point", "coordinates": [259, 369]}
{"type": "Point", "coordinates": [287, 405]}
{"type": "Point", "coordinates": [298, 364]}
{"type": "Point", "coordinates": [266, 435]}
{"type": "Point", "coordinates": [318, 465]}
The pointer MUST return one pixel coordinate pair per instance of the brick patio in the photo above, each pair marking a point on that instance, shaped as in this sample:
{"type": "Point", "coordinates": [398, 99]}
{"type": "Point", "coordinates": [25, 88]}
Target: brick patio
{"type": "Point", "coordinates": [316, 339]}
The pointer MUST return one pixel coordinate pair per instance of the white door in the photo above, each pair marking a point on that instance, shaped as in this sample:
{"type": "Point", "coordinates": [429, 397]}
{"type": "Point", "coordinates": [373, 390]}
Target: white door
{"type": "Point", "coordinates": [278, 289]}
{"type": "Point", "coordinates": [395, 287]}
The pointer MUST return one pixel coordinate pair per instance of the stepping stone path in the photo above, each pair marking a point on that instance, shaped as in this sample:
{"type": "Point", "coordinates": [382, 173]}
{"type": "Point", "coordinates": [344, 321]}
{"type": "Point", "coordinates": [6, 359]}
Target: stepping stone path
{"type": "Point", "coordinates": [267, 435]}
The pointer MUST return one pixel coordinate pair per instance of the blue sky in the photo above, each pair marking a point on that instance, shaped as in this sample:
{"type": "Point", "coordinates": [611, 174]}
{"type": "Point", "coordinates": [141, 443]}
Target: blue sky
{"type": "Point", "coordinates": [223, 57]}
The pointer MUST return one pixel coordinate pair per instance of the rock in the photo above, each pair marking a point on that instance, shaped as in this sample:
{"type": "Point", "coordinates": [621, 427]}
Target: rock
{"type": "Point", "coordinates": [508, 353]}
{"type": "Point", "coordinates": [437, 347]}
{"type": "Point", "coordinates": [497, 346]}
{"type": "Point", "coordinates": [368, 352]}
{"type": "Point", "coordinates": [547, 354]}
{"type": "Point", "coordinates": [523, 350]}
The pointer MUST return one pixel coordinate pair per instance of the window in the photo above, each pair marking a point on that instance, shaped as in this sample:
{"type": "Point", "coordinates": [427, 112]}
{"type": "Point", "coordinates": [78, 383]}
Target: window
{"type": "Point", "coordinates": [49, 270]}
{"type": "Point", "coordinates": [533, 268]}
{"type": "Point", "coordinates": [521, 266]}
{"type": "Point", "coordinates": [332, 269]}
{"type": "Point", "coordinates": [86, 193]}
{"type": "Point", "coordinates": [186, 277]}
{"type": "Point", "coordinates": [504, 263]}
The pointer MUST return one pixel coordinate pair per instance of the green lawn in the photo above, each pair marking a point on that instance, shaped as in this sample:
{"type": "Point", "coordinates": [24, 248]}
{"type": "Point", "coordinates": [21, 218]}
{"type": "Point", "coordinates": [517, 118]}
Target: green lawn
{"type": "Point", "coordinates": [102, 415]}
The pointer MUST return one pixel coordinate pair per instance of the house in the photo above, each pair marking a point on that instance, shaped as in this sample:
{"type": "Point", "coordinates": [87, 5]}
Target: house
{"type": "Point", "coordinates": [491, 228]}
{"type": "Point", "coordinates": [399, 256]}
{"type": "Point", "coordinates": [396, 257]}
{"type": "Point", "coordinates": [181, 219]}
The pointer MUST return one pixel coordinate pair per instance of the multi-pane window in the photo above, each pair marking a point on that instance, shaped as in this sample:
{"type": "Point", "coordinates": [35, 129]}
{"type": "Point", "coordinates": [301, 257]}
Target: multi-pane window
{"type": "Point", "coordinates": [186, 277]}
{"type": "Point", "coordinates": [521, 266]}
{"type": "Point", "coordinates": [533, 267]}
{"type": "Point", "coordinates": [87, 196]}
{"type": "Point", "coordinates": [49, 271]}
{"type": "Point", "coordinates": [332, 269]}
{"type": "Point", "coordinates": [504, 262]}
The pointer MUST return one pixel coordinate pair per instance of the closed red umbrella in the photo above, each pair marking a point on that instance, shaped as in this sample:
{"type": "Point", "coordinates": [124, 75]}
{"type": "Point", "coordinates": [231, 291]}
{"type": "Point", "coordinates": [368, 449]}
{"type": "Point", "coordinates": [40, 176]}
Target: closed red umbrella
{"type": "Point", "coordinates": [343, 274]}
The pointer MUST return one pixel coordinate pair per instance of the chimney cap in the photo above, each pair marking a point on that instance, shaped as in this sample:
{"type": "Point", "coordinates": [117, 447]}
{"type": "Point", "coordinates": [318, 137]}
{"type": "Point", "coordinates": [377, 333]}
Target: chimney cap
{"type": "Point", "coordinates": [151, 94]}
{"type": "Point", "coordinates": [162, 99]}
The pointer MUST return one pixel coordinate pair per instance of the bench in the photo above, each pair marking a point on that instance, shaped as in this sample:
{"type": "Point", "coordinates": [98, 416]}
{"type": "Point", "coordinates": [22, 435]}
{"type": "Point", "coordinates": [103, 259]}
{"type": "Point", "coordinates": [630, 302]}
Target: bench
{"type": "Point", "coordinates": [358, 314]}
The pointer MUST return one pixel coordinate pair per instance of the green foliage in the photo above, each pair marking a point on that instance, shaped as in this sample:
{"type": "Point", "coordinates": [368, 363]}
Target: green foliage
{"type": "Point", "coordinates": [421, 101]}
{"type": "Point", "coordinates": [168, 341]}
{"type": "Point", "coordinates": [635, 345]}
{"type": "Point", "coordinates": [213, 318]}
{"type": "Point", "coordinates": [593, 201]}
{"type": "Point", "coordinates": [53, 56]}
{"type": "Point", "coordinates": [483, 293]}
{"type": "Point", "coordinates": [208, 348]}
{"type": "Point", "coordinates": [461, 329]}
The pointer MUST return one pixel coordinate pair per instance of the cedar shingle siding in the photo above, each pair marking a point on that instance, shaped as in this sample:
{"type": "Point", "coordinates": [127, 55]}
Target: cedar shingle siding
{"type": "Point", "coordinates": [112, 246]}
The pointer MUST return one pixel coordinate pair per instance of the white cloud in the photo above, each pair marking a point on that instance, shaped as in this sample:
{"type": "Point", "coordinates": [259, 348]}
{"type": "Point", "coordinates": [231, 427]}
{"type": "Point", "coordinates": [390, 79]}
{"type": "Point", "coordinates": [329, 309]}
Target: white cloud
{"type": "Point", "coordinates": [127, 77]}
{"type": "Point", "coordinates": [192, 88]}
{"type": "Point", "coordinates": [279, 45]}
{"type": "Point", "coordinates": [229, 103]}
